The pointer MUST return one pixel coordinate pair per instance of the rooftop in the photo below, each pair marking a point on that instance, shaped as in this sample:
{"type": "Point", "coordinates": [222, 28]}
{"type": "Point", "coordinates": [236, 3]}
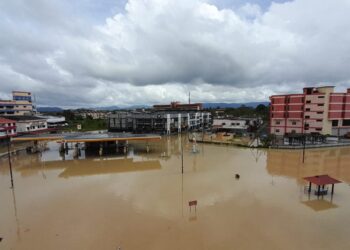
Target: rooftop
{"type": "Point", "coordinates": [5, 120]}
{"type": "Point", "coordinates": [26, 117]}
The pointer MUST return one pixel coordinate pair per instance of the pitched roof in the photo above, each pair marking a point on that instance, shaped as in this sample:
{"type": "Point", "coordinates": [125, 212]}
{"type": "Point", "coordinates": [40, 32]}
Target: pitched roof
{"type": "Point", "coordinates": [26, 118]}
{"type": "Point", "coordinates": [322, 180]}
{"type": "Point", "coordinates": [5, 120]}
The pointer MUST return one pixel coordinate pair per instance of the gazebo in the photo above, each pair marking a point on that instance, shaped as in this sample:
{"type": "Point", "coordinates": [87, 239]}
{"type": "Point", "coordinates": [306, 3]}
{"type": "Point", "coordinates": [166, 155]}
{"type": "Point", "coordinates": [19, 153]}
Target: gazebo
{"type": "Point", "coordinates": [321, 180]}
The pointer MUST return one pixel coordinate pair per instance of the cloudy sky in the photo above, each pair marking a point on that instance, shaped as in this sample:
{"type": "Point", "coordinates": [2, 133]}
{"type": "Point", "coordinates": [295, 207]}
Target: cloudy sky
{"type": "Point", "coordinates": [117, 52]}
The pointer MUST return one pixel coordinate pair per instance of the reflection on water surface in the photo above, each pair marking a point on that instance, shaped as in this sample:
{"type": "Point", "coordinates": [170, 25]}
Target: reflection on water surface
{"type": "Point", "coordinates": [140, 200]}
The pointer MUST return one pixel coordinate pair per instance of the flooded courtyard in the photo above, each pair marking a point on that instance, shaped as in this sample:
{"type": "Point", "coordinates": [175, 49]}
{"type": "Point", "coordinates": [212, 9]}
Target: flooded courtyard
{"type": "Point", "coordinates": [141, 200]}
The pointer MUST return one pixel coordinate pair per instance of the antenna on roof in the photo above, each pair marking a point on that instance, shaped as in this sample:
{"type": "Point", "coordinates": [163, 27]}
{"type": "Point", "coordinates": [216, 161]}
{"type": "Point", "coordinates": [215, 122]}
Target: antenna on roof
{"type": "Point", "coordinates": [34, 104]}
{"type": "Point", "coordinates": [189, 97]}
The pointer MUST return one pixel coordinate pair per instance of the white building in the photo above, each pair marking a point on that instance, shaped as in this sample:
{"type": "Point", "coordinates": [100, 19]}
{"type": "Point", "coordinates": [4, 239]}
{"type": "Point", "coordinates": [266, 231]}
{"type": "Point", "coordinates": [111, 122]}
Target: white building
{"type": "Point", "coordinates": [30, 124]}
{"type": "Point", "coordinates": [54, 121]}
{"type": "Point", "coordinates": [236, 124]}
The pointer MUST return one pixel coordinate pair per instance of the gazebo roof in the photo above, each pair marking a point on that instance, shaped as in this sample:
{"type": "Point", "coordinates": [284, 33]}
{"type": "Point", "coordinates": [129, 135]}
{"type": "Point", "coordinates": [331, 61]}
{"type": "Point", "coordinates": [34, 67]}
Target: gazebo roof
{"type": "Point", "coordinates": [322, 180]}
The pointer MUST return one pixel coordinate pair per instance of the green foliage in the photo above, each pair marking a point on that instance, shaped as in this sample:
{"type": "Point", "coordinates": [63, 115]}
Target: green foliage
{"type": "Point", "coordinates": [268, 140]}
{"type": "Point", "coordinates": [87, 124]}
{"type": "Point", "coordinates": [68, 114]}
{"type": "Point", "coordinates": [243, 111]}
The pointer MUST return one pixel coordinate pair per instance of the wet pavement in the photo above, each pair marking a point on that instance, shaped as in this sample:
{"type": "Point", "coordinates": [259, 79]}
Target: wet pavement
{"type": "Point", "coordinates": [141, 201]}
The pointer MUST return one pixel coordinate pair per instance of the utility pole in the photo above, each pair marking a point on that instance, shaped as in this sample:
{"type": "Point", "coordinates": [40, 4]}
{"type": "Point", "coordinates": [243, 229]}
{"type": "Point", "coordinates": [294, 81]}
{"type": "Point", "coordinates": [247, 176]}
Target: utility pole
{"type": "Point", "coordinates": [304, 142]}
{"type": "Point", "coordinates": [182, 156]}
{"type": "Point", "coordinates": [9, 155]}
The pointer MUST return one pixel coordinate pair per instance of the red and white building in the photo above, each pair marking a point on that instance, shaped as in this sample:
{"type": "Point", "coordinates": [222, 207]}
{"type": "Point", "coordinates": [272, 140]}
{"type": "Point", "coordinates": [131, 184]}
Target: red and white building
{"type": "Point", "coordinates": [7, 128]}
{"type": "Point", "coordinates": [316, 110]}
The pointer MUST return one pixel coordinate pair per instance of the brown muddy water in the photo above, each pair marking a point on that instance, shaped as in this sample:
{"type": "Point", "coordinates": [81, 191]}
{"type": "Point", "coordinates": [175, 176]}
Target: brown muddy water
{"type": "Point", "coordinates": [140, 201]}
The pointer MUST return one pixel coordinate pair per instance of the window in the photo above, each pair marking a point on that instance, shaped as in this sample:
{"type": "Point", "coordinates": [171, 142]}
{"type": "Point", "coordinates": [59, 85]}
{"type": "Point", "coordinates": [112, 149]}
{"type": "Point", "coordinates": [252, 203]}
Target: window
{"type": "Point", "coordinates": [223, 123]}
{"type": "Point", "coordinates": [308, 109]}
{"type": "Point", "coordinates": [307, 117]}
{"type": "Point", "coordinates": [321, 96]}
{"type": "Point", "coordinates": [294, 123]}
{"type": "Point", "coordinates": [335, 123]}
{"type": "Point", "coordinates": [319, 129]}
{"type": "Point", "coordinates": [308, 101]}
{"type": "Point", "coordinates": [278, 122]}
{"type": "Point", "coordinates": [293, 131]}
{"type": "Point", "coordinates": [346, 122]}
{"type": "Point", "coordinates": [320, 120]}
{"type": "Point", "coordinates": [320, 104]}
{"type": "Point", "coordinates": [277, 130]}
{"type": "Point", "coordinates": [321, 112]}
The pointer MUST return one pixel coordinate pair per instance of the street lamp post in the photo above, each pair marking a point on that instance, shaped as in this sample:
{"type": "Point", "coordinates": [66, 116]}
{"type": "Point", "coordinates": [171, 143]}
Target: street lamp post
{"type": "Point", "coordinates": [182, 156]}
{"type": "Point", "coordinates": [304, 142]}
{"type": "Point", "coordinates": [9, 154]}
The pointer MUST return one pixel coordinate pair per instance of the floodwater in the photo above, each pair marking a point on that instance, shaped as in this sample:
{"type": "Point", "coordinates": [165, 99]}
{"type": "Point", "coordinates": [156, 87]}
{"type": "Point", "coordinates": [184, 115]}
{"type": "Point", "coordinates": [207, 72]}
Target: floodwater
{"type": "Point", "coordinates": [141, 201]}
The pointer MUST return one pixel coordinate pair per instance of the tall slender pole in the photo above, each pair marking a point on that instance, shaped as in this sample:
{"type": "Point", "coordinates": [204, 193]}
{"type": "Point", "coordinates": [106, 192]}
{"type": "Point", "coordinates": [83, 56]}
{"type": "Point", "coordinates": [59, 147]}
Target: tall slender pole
{"type": "Point", "coordinates": [304, 148]}
{"type": "Point", "coordinates": [182, 156]}
{"type": "Point", "coordinates": [9, 156]}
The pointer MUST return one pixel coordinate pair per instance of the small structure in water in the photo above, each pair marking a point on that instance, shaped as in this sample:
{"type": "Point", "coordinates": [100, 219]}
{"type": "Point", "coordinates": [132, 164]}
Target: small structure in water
{"type": "Point", "coordinates": [193, 203]}
{"type": "Point", "coordinates": [237, 176]}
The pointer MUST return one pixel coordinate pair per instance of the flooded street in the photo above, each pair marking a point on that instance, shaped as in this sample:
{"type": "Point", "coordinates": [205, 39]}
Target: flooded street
{"type": "Point", "coordinates": [141, 201]}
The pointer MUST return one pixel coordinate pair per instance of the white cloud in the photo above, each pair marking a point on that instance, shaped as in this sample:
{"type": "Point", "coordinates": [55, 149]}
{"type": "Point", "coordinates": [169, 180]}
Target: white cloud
{"type": "Point", "coordinates": [158, 50]}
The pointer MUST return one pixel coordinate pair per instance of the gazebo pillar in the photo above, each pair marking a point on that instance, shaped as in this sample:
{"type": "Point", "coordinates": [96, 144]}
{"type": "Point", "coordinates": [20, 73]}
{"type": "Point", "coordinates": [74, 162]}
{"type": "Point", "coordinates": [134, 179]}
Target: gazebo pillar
{"type": "Point", "coordinates": [332, 188]}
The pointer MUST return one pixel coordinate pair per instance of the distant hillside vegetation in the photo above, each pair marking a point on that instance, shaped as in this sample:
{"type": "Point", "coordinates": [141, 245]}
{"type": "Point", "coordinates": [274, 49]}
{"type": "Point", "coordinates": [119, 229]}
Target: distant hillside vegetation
{"type": "Point", "coordinates": [233, 105]}
{"type": "Point", "coordinates": [49, 109]}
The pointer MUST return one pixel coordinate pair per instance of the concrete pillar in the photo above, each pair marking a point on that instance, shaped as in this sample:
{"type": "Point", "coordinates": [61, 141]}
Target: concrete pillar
{"type": "Point", "coordinates": [179, 123]}
{"type": "Point", "coordinates": [168, 124]}
{"type": "Point", "coordinates": [126, 147]}
{"type": "Point", "coordinates": [75, 152]}
{"type": "Point", "coordinates": [100, 152]}
{"type": "Point", "coordinates": [202, 120]}
{"type": "Point", "coordinates": [61, 150]}
{"type": "Point", "coordinates": [188, 121]}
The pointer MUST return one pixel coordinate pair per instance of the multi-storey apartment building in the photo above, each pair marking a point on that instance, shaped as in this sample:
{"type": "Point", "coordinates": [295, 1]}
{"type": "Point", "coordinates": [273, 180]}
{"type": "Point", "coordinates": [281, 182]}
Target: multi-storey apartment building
{"type": "Point", "coordinates": [21, 104]}
{"type": "Point", "coordinates": [316, 110]}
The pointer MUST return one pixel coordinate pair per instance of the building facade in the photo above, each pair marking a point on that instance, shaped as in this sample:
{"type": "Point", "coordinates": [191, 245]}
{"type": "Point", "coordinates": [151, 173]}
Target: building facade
{"type": "Point", "coordinates": [317, 110]}
{"type": "Point", "coordinates": [179, 106]}
{"type": "Point", "coordinates": [164, 122]}
{"type": "Point", "coordinates": [236, 124]}
{"type": "Point", "coordinates": [93, 114]}
{"type": "Point", "coordinates": [21, 104]}
{"type": "Point", "coordinates": [30, 124]}
{"type": "Point", "coordinates": [7, 128]}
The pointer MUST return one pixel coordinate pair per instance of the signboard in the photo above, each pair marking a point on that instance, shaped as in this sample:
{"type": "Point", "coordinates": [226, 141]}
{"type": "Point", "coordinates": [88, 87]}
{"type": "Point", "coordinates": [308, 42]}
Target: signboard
{"type": "Point", "coordinates": [79, 126]}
